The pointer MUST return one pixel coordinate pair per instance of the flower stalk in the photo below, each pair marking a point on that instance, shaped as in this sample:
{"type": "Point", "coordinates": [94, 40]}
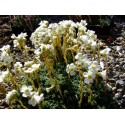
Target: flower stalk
{"type": "Point", "coordinates": [21, 103]}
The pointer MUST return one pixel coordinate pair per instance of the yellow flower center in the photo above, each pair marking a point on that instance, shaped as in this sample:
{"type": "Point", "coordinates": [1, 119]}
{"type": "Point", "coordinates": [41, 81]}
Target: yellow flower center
{"type": "Point", "coordinates": [89, 76]}
{"type": "Point", "coordinates": [71, 68]}
{"type": "Point", "coordinates": [81, 58]}
{"type": "Point", "coordinates": [93, 66]}
{"type": "Point", "coordinates": [27, 90]}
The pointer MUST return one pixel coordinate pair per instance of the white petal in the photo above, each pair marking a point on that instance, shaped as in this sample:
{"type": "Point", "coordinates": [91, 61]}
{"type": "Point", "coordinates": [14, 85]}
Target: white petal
{"type": "Point", "coordinates": [85, 74]}
{"type": "Point", "coordinates": [102, 65]}
{"type": "Point", "coordinates": [30, 88]}
{"type": "Point", "coordinates": [86, 80]}
{"type": "Point", "coordinates": [33, 103]}
{"type": "Point", "coordinates": [23, 88]}
{"type": "Point", "coordinates": [29, 102]}
{"type": "Point", "coordinates": [24, 95]}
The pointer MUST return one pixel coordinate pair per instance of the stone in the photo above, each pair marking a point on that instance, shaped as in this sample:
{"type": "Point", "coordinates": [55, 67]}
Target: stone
{"type": "Point", "coordinates": [117, 66]}
{"type": "Point", "coordinates": [123, 96]}
{"type": "Point", "coordinates": [112, 80]}
{"type": "Point", "coordinates": [1, 107]}
{"type": "Point", "coordinates": [121, 59]}
{"type": "Point", "coordinates": [122, 76]}
{"type": "Point", "coordinates": [119, 83]}
{"type": "Point", "coordinates": [119, 39]}
{"type": "Point", "coordinates": [114, 89]}
{"type": "Point", "coordinates": [120, 90]}
{"type": "Point", "coordinates": [118, 95]}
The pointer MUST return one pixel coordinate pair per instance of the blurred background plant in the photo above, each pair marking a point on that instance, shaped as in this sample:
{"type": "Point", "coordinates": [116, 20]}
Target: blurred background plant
{"type": "Point", "coordinates": [28, 23]}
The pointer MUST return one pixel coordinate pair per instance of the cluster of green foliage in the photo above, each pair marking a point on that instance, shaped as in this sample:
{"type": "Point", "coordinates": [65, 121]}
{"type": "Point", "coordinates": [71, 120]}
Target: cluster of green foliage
{"type": "Point", "coordinates": [101, 96]}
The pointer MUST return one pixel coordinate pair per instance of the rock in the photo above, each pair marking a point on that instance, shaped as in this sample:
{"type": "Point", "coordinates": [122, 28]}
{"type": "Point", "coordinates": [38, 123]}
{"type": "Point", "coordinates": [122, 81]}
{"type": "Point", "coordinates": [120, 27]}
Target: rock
{"type": "Point", "coordinates": [123, 96]}
{"type": "Point", "coordinates": [120, 90]}
{"type": "Point", "coordinates": [109, 87]}
{"type": "Point", "coordinates": [118, 95]}
{"type": "Point", "coordinates": [118, 48]}
{"type": "Point", "coordinates": [119, 83]}
{"type": "Point", "coordinates": [122, 76]}
{"type": "Point", "coordinates": [114, 89]}
{"type": "Point", "coordinates": [117, 66]}
{"type": "Point", "coordinates": [116, 76]}
{"type": "Point", "coordinates": [119, 39]}
{"type": "Point", "coordinates": [1, 107]}
{"type": "Point", "coordinates": [121, 59]}
{"type": "Point", "coordinates": [112, 80]}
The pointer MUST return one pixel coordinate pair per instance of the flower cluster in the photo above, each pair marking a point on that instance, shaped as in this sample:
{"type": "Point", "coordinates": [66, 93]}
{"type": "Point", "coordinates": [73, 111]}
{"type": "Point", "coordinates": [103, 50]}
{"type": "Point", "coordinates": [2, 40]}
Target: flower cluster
{"type": "Point", "coordinates": [66, 41]}
{"type": "Point", "coordinates": [4, 75]}
{"type": "Point", "coordinates": [10, 96]}
{"type": "Point", "coordinates": [35, 98]}
{"type": "Point", "coordinates": [105, 51]}
{"type": "Point", "coordinates": [92, 67]}
{"type": "Point", "coordinates": [20, 40]}
{"type": "Point", "coordinates": [6, 55]}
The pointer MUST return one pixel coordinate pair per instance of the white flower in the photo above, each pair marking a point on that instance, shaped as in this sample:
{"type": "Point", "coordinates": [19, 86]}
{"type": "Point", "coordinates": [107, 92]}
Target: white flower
{"type": "Point", "coordinates": [44, 24]}
{"type": "Point", "coordinates": [50, 47]}
{"type": "Point", "coordinates": [4, 75]}
{"type": "Point", "coordinates": [16, 43]}
{"type": "Point", "coordinates": [30, 67]}
{"type": "Point", "coordinates": [80, 57]}
{"type": "Point", "coordinates": [26, 90]}
{"type": "Point", "coordinates": [20, 40]}
{"type": "Point", "coordinates": [86, 63]}
{"type": "Point", "coordinates": [29, 70]}
{"type": "Point", "coordinates": [42, 47]}
{"type": "Point", "coordinates": [28, 63]}
{"type": "Point", "coordinates": [105, 51]}
{"type": "Point", "coordinates": [10, 96]}
{"type": "Point", "coordinates": [94, 44]}
{"type": "Point", "coordinates": [103, 74]}
{"type": "Point", "coordinates": [84, 39]}
{"type": "Point", "coordinates": [37, 52]}
{"type": "Point", "coordinates": [49, 89]}
{"type": "Point", "coordinates": [83, 22]}
{"type": "Point", "coordinates": [102, 64]}
{"type": "Point", "coordinates": [91, 34]}
{"type": "Point", "coordinates": [36, 66]}
{"type": "Point", "coordinates": [89, 77]}
{"type": "Point", "coordinates": [36, 99]}
{"type": "Point", "coordinates": [13, 36]}
{"type": "Point", "coordinates": [94, 66]}
{"type": "Point", "coordinates": [67, 24]}
{"type": "Point", "coordinates": [5, 48]}
{"type": "Point", "coordinates": [18, 65]}
{"type": "Point", "coordinates": [82, 29]}
{"type": "Point", "coordinates": [22, 36]}
{"type": "Point", "coordinates": [6, 58]}
{"type": "Point", "coordinates": [71, 69]}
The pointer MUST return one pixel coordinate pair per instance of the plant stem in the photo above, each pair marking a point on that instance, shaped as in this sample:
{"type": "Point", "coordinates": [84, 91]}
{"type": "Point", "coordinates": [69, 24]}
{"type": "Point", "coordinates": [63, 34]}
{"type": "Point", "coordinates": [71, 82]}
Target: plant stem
{"type": "Point", "coordinates": [98, 51]}
{"type": "Point", "coordinates": [20, 102]}
{"type": "Point", "coordinates": [106, 69]}
{"type": "Point", "coordinates": [37, 80]}
{"type": "Point", "coordinates": [94, 54]}
{"type": "Point", "coordinates": [90, 91]}
{"type": "Point", "coordinates": [81, 87]}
